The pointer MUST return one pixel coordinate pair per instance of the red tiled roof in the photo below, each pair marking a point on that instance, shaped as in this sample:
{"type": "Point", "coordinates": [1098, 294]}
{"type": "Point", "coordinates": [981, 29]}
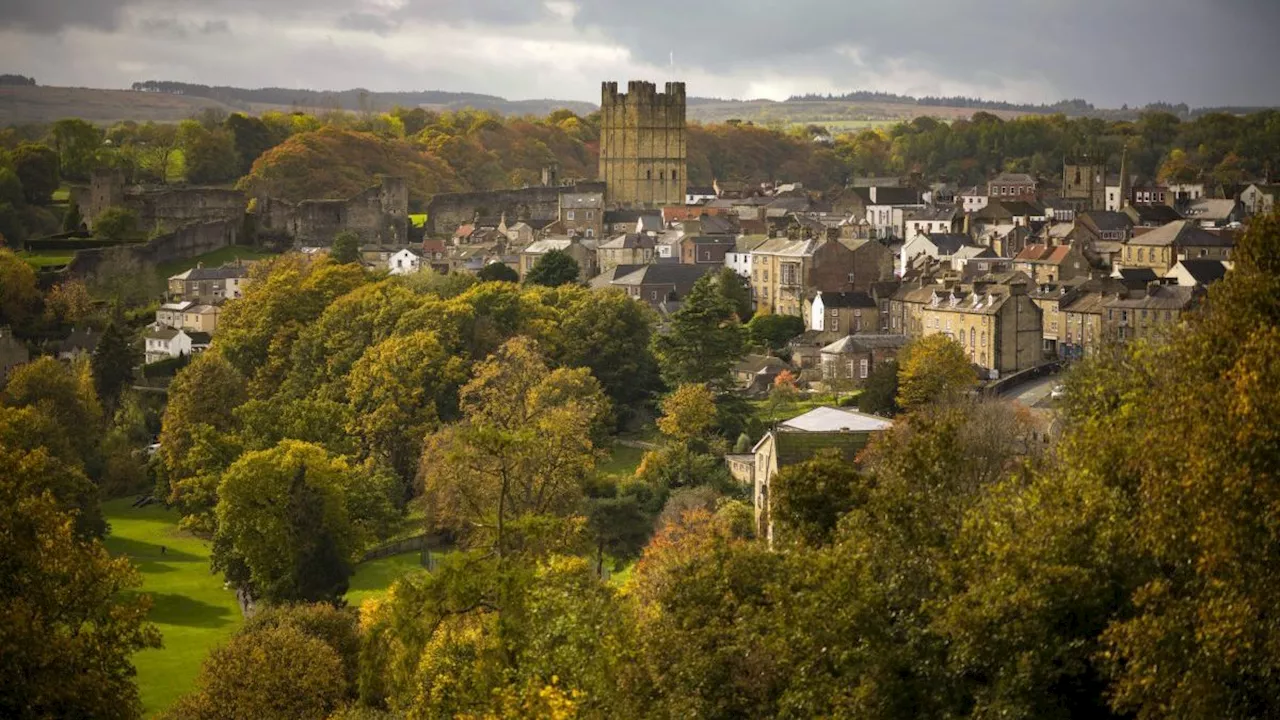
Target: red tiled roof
{"type": "Point", "coordinates": [1052, 255]}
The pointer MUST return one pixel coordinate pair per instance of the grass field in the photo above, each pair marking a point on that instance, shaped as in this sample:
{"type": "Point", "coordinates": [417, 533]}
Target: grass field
{"type": "Point", "coordinates": [217, 258]}
{"type": "Point", "coordinates": [373, 579]}
{"type": "Point", "coordinates": [418, 219]}
{"type": "Point", "coordinates": [45, 258]}
{"type": "Point", "coordinates": [621, 462]}
{"type": "Point", "coordinates": [190, 606]}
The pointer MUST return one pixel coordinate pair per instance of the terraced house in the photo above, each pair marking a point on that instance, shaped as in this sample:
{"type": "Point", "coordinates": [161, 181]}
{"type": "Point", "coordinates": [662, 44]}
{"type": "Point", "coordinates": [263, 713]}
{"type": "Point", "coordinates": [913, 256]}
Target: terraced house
{"type": "Point", "coordinates": [997, 324]}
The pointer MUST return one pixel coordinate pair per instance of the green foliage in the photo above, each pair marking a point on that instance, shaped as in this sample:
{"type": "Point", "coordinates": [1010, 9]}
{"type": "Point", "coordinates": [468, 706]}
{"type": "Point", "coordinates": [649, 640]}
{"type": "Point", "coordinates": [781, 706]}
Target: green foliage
{"type": "Point", "coordinates": [113, 362]}
{"type": "Point", "coordinates": [274, 673]}
{"type": "Point", "coordinates": [705, 338]}
{"type": "Point", "coordinates": [209, 154]}
{"type": "Point", "coordinates": [77, 143]}
{"type": "Point", "coordinates": [73, 220]}
{"type": "Point", "coordinates": [735, 287]}
{"type": "Point", "coordinates": [497, 272]}
{"type": "Point", "coordinates": [251, 137]}
{"type": "Point", "coordinates": [346, 248]}
{"type": "Point", "coordinates": [809, 498]}
{"type": "Point", "coordinates": [116, 223]}
{"type": "Point", "coordinates": [773, 332]}
{"type": "Point", "coordinates": [11, 192]}
{"type": "Point", "coordinates": [69, 622]}
{"type": "Point", "coordinates": [553, 269]}
{"type": "Point", "coordinates": [37, 168]}
{"type": "Point", "coordinates": [880, 391]}
{"type": "Point", "coordinates": [298, 545]}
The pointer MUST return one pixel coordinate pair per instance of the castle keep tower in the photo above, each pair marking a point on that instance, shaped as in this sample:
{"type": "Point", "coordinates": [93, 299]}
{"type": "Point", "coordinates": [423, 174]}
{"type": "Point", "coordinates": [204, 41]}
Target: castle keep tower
{"type": "Point", "coordinates": [642, 150]}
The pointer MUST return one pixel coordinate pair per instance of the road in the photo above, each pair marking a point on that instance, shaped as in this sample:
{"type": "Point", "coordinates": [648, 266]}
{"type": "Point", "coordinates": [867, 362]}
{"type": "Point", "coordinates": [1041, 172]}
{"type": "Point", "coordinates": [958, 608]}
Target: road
{"type": "Point", "coordinates": [1035, 394]}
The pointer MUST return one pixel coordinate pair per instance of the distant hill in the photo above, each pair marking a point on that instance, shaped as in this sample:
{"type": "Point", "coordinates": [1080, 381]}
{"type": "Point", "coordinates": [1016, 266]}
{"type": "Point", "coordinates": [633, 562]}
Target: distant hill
{"type": "Point", "coordinates": [31, 104]}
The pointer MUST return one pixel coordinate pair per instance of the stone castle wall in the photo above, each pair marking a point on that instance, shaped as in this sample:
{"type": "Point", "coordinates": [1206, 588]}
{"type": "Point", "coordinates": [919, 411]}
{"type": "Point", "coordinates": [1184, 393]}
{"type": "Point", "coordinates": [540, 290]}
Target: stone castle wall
{"type": "Point", "coordinates": [184, 243]}
{"type": "Point", "coordinates": [379, 215]}
{"type": "Point", "coordinates": [642, 144]}
{"type": "Point", "coordinates": [447, 211]}
{"type": "Point", "coordinates": [167, 207]}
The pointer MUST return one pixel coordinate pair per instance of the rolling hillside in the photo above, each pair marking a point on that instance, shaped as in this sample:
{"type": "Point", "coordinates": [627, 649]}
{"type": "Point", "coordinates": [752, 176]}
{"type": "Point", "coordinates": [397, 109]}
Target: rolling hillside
{"type": "Point", "coordinates": [45, 104]}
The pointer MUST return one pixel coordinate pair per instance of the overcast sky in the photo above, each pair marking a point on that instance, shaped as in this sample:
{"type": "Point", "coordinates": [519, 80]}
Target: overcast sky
{"type": "Point", "coordinates": [1210, 52]}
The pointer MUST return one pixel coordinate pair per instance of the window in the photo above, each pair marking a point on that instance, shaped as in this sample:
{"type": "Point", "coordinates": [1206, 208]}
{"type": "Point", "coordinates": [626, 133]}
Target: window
{"type": "Point", "coordinates": [648, 174]}
{"type": "Point", "coordinates": [1168, 315]}
{"type": "Point", "coordinates": [569, 215]}
{"type": "Point", "coordinates": [835, 313]}
{"type": "Point", "coordinates": [862, 368]}
{"type": "Point", "coordinates": [653, 294]}
{"type": "Point", "coordinates": [673, 175]}
{"type": "Point", "coordinates": [591, 214]}
{"type": "Point", "coordinates": [972, 336]}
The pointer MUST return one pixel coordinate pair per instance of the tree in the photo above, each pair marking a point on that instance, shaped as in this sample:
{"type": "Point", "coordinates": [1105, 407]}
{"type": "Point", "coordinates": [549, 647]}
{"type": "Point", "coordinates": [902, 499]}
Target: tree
{"type": "Point", "coordinates": [113, 362]}
{"type": "Point", "coordinates": [809, 498]}
{"type": "Point", "coordinates": [618, 520]}
{"type": "Point", "coordinates": [553, 269]}
{"type": "Point", "coordinates": [523, 449]}
{"type": "Point", "coordinates": [11, 192]}
{"type": "Point", "coordinates": [930, 369]}
{"type": "Point", "coordinates": [773, 332]}
{"type": "Point", "coordinates": [69, 621]}
{"type": "Point", "coordinates": [251, 138]}
{"type": "Point", "coordinates": [784, 392]}
{"type": "Point", "coordinates": [497, 272]}
{"type": "Point", "coordinates": [18, 294]}
{"type": "Point", "coordinates": [1178, 168]}
{"type": "Point", "coordinates": [284, 527]}
{"type": "Point", "coordinates": [689, 413]}
{"type": "Point", "coordinates": [68, 303]}
{"type": "Point", "coordinates": [66, 396]}
{"type": "Point", "coordinates": [116, 223]}
{"type": "Point", "coordinates": [735, 288]}
{"type": "Point", "coordinates": [609, 333]}
{"type": "Point", "coordinates": [77, 143]}
{"type": "Point", "coordinates": [276, 673]}
{"type": "Point", "coordinates": [124, 279]}
{"type": "Point", "coordinates": [210, 154]}
{"type": "Point", "coordinates": [880, 391]}
{"type": "Point", "coordinates": [346, 247]}
{"type": "Point", "coordinates": [705, 338]}
{"type": "Point", "coordinates": [37, 168]}
{"type": "Point", "coordinates": [73, 220]}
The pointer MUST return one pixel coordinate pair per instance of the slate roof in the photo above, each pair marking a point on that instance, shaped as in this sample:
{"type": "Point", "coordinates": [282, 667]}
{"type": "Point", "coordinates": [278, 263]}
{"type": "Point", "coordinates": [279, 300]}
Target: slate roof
{"type": "Point", "coordinates": [1181, 233]}
{"type": "Point", "coordinates": [573, 201]}
{"type": "Point", "coordinates": [1108, 220]}
{"type": "Point", "coordinates": [546, 245]}
{"type": "Point", "coordinates": [1155, 214]}
{"type": "Point", "coordinates": [1008, 178]}
{"type": "Point", "coordinates": [628, 241]}
{"type": "Point", "coordinates": [757, 364]}
{"type": "Point", "coordinates": [934, 214]}
{"type": "Point", "coordinates": [846, 300]}
{"type": "Point", "coordinates": [221, 273]}
{"type": "Point", "coordinates": [700, 190]}
{"type": "Point", "coordinates": [1204, 272]}
{"type": "Point", "coordinates": [80, 339]}
{"type": "Point", "coordinates": [948, 243]}
{"type": "Point", "coordinates": [892, 196]}
{"type": "Point", "coordinates": [682, 276]}
{"type": "Point", "coordinates": [786, 247]}
{"type": "Point", "coordinates": [1161, 297]}
{"type": "Point", "coordinates": [621, 216]}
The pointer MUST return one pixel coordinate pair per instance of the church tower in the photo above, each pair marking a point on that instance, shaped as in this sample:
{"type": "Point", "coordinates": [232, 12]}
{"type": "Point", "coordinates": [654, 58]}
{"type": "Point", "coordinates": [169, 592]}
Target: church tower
{"type": "Point", "coordinates": [642, 144]}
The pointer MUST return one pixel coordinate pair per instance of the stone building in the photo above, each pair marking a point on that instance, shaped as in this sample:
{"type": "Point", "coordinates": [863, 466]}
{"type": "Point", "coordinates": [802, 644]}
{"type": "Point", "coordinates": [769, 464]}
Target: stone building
{"type": "Point", "coordinates": [1084, 183]}
{"type": "Point", "coordinates": [642, 144]}
{"type": "Point", "coordinates": [379, 215]}
{"type": "Point", "coordinates": [166, 207]}
{"type": "Point", "coordinates": [997, 323]}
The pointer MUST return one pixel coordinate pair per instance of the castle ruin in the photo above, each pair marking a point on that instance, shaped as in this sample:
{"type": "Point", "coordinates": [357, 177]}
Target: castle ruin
{"type": "Point", "coordinates": [642, 144]}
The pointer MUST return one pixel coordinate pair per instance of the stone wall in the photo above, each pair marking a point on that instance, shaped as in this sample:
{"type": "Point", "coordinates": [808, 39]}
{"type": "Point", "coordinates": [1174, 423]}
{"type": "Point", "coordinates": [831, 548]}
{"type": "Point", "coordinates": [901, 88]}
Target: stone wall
{"type": "Point", "coordinates": [168, 207]}
{"type": "Point", "coordinates": [184, 243]}
{"type": "Point", "coordinates": [447, 211]}
{"type": "Point", "coordinates": [379, 215]}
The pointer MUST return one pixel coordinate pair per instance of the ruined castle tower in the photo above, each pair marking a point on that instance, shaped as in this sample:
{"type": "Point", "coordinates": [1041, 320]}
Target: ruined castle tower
{"type": "Point", "coordinates": [642, 144]}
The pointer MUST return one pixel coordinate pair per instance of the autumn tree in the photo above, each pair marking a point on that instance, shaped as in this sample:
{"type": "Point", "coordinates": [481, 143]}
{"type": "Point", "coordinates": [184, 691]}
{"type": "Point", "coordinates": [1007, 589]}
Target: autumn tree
{"type": "Point", "coordinates": [553, 269]}
{"type": "Point", "coordinates": [70, 622]}
{"type": "Point", "coordinates": [930, 369]}
{"type": "Point", "coordinates": [880, 391]}
{"type": "Point", "coordinates": [68, 303]}
{"type": "Point", "coordinates": [705, 338]}
{"type": "Point", "coordinates": [809, 498]}
{"type": "Point", "coordinates": [19, 297]}
{"type": "Point", "coordinates": [523, 447]}
{"type": "Point", "coordinates": [689, 413]}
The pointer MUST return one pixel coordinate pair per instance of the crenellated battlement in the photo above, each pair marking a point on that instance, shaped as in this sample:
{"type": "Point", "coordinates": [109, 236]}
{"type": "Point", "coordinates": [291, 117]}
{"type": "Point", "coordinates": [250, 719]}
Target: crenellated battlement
{"type": "Point", "coordinates": [640, 92]}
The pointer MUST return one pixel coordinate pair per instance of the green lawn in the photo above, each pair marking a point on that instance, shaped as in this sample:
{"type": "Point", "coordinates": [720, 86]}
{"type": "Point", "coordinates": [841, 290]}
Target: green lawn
{"type": "Point", "coordinates": [45, 258]}
{"type": "Point", "coordinates": [766, 414]}
{"type": "Point", "coordinates": [62, 195]}
{"type": "Point", "coordinates": [418, 219]}
{"type": "Point", "coordinates": [621, 462]}
{"type": "Point", "coordinates": [190, 606]}
{"type": "Point", "coordinates": [217, 258]}
{"type": "Point", "coordinates": [374, 578]}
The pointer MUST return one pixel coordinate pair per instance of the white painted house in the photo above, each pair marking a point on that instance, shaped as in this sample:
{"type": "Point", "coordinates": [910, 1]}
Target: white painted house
{"type": "Point", "coordinates": [167, 343]}
{"type": "Point", "coordinates": [739, 258]}
{"type": "Point", "coordinates": [404, 262]}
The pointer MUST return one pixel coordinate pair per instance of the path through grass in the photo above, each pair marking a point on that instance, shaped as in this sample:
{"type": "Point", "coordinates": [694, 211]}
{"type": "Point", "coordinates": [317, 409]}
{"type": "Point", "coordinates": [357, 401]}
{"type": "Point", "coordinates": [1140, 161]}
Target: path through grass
{"type": "Point", "coordinates": [189, 605]}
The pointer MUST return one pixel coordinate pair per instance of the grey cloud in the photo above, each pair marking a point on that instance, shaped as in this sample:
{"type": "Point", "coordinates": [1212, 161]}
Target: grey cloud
{"type": "Point", "coordinates": [174, 28]}
{"type": "Point", "coordinates": [49, 16]}
{"type": "Point", "coordinates": [367, 22]}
